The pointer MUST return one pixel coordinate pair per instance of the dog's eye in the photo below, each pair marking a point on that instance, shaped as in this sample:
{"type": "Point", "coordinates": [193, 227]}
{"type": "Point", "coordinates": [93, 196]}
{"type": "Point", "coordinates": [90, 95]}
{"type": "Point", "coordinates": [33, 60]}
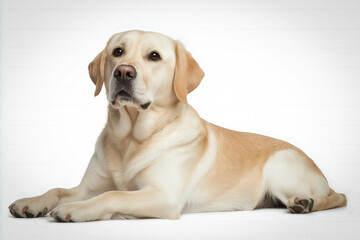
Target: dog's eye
{"type": "Point", "coordinates": [154, 56]}
{"type": "Point", "coordinates": [118, 52]}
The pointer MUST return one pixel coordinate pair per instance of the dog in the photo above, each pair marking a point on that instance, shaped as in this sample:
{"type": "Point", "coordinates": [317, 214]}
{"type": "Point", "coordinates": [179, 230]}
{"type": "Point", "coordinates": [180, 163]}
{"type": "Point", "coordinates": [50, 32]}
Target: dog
{"type": "Point", "coordinates": [156, 158]}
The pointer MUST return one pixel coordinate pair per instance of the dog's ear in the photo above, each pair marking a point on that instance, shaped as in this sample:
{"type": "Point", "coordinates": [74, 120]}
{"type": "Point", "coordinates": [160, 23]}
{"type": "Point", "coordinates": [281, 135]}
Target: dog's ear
{"type": "Point", "coordinates": [97, 71]}
{"type": "Point", "coordinates": [188, 73]}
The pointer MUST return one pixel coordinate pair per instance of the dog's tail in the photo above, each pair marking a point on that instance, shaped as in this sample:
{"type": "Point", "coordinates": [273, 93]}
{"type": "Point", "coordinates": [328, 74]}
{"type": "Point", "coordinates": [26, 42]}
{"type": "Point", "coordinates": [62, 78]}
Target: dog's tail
{"type": "Point", "coordinates": [333, 200]}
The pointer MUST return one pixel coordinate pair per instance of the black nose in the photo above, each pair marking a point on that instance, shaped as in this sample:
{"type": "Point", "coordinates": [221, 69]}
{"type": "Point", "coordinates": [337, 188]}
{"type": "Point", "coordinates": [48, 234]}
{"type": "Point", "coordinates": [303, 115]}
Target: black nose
{"type": "Point", "coordinates": [125, 73]}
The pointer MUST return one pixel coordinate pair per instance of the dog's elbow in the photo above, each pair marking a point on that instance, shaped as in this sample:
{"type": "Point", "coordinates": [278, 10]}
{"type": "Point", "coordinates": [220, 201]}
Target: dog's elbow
{"type": "Point", "coordinates": [170, 209]}
{"type": "Point", "coordinates": [173, 215]}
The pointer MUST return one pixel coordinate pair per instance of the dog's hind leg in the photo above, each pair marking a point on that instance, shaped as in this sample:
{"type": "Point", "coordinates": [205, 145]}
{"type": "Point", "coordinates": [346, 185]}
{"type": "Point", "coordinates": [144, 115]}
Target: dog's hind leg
{"type": "Point", "coordinates": [295, 180]}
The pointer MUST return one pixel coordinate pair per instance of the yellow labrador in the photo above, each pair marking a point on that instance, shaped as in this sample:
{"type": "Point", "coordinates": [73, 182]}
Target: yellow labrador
{"type": "Point", "coordinates": [157, 158]}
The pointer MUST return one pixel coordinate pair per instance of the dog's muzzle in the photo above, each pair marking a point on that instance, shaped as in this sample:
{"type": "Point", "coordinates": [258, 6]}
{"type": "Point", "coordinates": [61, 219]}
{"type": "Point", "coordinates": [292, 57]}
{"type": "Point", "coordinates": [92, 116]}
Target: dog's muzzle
{"type": "Point", "coordinates": [124, 76]}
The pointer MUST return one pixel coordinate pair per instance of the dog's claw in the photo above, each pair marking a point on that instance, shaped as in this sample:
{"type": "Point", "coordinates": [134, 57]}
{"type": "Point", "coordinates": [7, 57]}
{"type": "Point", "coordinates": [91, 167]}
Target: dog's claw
{"type": "Point", "coordinates": [67, 219]}
{"type": "Point", "coordinates": [54, 214]}
{"type": "Point", "coordinates": [25, 210]}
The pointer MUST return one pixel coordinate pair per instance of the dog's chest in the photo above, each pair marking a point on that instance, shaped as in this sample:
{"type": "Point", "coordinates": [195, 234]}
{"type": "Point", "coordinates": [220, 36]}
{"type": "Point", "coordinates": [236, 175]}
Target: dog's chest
{"type": "Point", "coordinates": [134, 154]}
{"type": "Point", "coordinates": [119, 159]}
{"type": "Point", "coordinates": [129, 159]}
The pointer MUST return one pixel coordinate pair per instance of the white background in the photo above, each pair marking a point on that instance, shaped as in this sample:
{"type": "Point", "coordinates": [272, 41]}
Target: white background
{"type": "Point", "coordinates": [285, 68]}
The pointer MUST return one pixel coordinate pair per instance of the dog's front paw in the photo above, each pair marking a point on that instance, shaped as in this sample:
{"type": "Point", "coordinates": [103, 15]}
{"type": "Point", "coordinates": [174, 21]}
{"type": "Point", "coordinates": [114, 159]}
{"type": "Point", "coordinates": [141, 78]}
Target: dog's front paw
{"type": "Point", "coordinates": [29, 208]}
{"type": "Point", "coordinates": [82, 211]}
{"type": "Point", "coordinates": [300, 205]}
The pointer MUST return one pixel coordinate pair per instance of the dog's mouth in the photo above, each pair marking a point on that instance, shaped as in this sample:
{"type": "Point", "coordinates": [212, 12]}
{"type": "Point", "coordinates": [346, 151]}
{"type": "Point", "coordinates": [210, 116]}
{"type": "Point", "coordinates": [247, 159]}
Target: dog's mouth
{"type": "Point", "coordinates": [124, 95]}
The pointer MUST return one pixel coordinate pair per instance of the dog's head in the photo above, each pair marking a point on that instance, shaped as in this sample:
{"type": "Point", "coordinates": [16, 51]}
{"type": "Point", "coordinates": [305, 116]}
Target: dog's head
{"type": "Point", "coordinates": [144, 68]}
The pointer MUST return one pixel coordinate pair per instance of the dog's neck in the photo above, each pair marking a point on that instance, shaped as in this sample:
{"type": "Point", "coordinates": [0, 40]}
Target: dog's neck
{"type": "Point", "coordinates": [128, 121]}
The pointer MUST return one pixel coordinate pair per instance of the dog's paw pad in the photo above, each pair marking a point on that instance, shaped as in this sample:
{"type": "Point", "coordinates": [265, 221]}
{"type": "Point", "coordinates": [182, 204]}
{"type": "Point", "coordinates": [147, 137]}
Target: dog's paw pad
{"type": "Point", "coordinates": [29, 215]}
{"type": "Point", "coordinates": [304, 205]}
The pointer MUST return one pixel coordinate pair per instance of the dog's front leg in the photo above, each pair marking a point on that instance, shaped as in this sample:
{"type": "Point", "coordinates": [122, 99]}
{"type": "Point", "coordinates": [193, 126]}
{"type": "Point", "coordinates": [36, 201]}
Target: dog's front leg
{"type": "Point", "coordinates": [149, 202]}
{"type": "Point", "coordinates": [95, 181]}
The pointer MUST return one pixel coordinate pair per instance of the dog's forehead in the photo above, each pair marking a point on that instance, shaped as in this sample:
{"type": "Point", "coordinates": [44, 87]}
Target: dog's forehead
{"type": "Point", "coordinates": [147, 40]}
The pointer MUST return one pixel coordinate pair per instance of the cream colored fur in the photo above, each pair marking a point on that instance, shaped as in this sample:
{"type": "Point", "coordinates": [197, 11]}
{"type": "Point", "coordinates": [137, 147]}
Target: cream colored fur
{"type": "Point", "coordinates": [165, 160]}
